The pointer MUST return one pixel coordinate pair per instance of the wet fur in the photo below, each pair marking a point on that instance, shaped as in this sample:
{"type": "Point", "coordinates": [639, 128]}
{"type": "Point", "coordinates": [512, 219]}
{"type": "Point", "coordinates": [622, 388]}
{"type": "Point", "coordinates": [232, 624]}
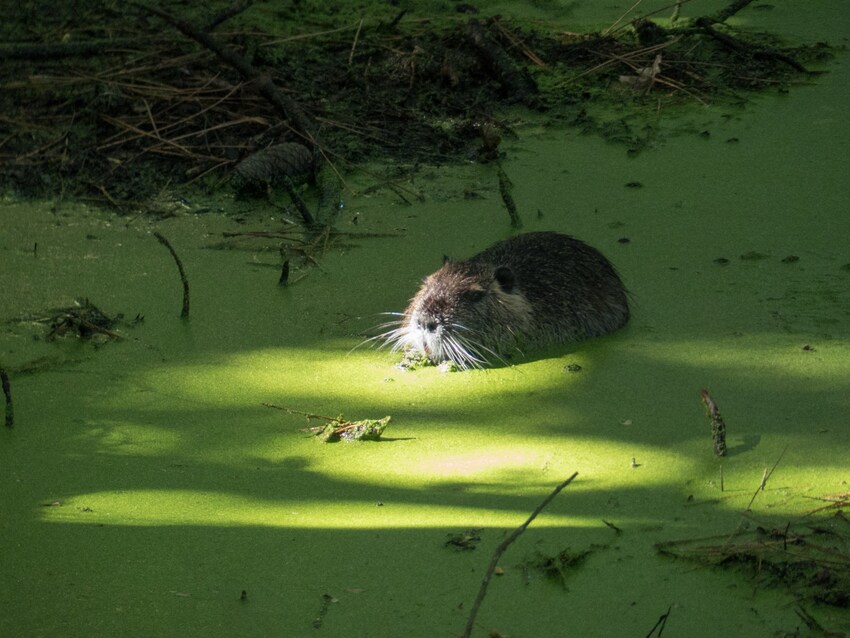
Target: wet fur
{"type": "Point", "coordinates": [532, 290]}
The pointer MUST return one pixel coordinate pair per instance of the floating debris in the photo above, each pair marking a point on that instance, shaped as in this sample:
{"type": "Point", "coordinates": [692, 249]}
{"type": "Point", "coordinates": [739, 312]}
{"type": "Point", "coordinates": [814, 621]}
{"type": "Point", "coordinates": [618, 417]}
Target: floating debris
{"type": "Point", "coordinates": [413, 360]}
{"type": "Point", "coordinates": [645, 77]}
{"type": "Point", "coordinates": [424, 89]}
{"type": "Point", "coordinates": [83, 320]}
{"type": "Point", "coordinates": [464, 541]}
{"type": "Point", "coordinates": [557, 567]}
{"type": "Point", "coordinates": [338, 428]}
{"type": "Point", "coordinates": [810, 557]}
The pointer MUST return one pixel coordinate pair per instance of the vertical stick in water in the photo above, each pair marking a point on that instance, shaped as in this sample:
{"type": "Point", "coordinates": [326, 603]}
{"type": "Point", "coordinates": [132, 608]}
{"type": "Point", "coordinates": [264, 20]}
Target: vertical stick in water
{"type": "Point", "coordinates": [184, 314]}
{"type": "Point", "coordinates": [505, 190]}
{"type": "Point", "coordinates": [718, 426]}
{"type": "Point", "coordinates": [7, 391]}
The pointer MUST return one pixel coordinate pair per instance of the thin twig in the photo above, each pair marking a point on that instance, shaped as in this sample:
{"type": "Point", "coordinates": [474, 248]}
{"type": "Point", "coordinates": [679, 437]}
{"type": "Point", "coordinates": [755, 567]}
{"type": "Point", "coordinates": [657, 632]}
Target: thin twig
{"type": "Point", "coordinates": [765, 477]}
{"type": "Point", "coordinates": [760, 488]}
{"type": "Point", "coordinates": [614, 58]}
{"type": "Point", "coordinates": [621, 18]}
{"type": "Point", "coordinates": [304, 36]}
{"type": "Point", "coordinates": [482, 592]}
{"type": "Point", "coordinates": [354, 44]}
{"type": "Point", "coordinates": [657, 11]}
{"type": "Point", "coordinates": [309, 415]}
{"type": "Point", "coordinates": [125, 125]}
{"type": "Point", "coordinates": [520, 44]}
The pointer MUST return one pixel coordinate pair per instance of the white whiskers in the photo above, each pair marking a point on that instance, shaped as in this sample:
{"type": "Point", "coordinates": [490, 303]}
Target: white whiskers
{"type": "Point", "coordinates": [454, 343]}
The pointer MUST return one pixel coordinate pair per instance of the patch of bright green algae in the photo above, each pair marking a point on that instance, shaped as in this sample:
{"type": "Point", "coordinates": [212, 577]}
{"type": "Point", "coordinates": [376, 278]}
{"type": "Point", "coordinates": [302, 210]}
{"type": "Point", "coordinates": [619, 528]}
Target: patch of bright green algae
{"type": "Point", "coordinates": [145, 486]}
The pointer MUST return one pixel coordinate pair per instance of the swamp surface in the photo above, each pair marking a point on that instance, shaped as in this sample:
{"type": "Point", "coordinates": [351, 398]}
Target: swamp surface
{"type": "Point", "coordinates": [147, 490]}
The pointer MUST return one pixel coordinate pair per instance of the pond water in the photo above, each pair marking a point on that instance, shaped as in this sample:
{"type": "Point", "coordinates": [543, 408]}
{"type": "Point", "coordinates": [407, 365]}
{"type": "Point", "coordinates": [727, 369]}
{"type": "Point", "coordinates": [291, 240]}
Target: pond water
{"type": "Point", "coordinates": [146, 486]}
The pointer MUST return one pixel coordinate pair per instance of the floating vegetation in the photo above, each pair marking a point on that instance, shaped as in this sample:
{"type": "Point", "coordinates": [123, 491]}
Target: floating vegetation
{"type": "Point", "coordinates": [338, 428]}
{"type": "Point", "coordinates": [464, 541]}
{"type": "Point", "coordinates": [83, 320]}
{"type": "Point", "coordinates": [365, 430]}
{"type": "Point", "coordinates": [558, 567]}
{"type": "Point", "coordinates": [413, 359]}
{"type": "Point", "coordinates": [810, 556]}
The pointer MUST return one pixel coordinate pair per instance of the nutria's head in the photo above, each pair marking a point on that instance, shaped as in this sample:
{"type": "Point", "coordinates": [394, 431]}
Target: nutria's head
{"type": "Point", "coordinates": [464, 313]}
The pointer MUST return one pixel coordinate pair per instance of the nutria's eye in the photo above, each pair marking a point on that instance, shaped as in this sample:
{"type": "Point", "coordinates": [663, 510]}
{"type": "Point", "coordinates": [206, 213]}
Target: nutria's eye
{"type": "Point", "coordinates": [473, 296]}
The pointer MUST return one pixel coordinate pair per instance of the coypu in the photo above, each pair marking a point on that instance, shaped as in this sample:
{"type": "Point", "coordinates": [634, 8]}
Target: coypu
{"type": "Point", "coordinates": [534, 289]}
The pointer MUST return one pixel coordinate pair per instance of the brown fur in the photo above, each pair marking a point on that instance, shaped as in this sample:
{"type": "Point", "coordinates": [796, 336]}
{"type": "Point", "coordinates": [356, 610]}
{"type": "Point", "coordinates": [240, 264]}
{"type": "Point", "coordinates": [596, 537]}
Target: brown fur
{"type": "Point", "coordinates": [531, 290]}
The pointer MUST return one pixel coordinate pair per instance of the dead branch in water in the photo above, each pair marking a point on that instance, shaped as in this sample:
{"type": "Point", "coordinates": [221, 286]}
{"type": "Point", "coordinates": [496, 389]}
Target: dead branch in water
{"type": "Point", "coordinates": [184, 313]}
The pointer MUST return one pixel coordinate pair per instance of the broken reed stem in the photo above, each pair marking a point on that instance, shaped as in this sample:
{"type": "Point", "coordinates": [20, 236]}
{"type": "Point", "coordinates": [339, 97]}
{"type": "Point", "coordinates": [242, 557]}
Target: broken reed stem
{"type": "Point", "coordinates": [718, 426]}
{"type": "Point", "coordinates": [482, 592]}
{"type": "Point", "coordinates": [660, 623]}
{"type": "Point", "coordinates": [184, 314]}
{"type": "Point", "coordinates": [621, 18]}
{"type": "Point", "coordinates": [284, 274]}
{"type": "Point", "coordinates": [505, 186]}
{"type": "Point", "coordinates": [309, 415]}
{"type": "Point", "coordinates": [354, 44]}
{"type": "Point", "coordinates": [7, 391]}
{"type": "Point", "coordinates": [765, 477]}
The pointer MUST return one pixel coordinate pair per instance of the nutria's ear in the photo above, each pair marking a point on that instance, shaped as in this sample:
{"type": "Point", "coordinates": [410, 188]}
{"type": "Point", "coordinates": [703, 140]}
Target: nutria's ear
{"type": "Point", "coordinates": [505, 277]}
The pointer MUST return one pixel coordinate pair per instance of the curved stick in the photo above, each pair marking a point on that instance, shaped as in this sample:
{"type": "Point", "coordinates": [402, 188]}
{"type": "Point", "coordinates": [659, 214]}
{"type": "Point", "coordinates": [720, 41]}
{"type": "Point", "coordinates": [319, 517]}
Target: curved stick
{"type": "Point", "coordinates": [501, 550]}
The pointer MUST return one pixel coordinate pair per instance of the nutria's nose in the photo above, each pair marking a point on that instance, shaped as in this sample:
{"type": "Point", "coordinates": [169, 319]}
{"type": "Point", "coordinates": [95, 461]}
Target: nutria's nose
{"type": "Point", "coordinates": [430, 326]}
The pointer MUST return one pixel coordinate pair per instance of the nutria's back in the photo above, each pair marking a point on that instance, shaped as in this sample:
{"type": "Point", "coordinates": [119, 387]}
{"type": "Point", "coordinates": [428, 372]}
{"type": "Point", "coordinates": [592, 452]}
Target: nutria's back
{"type": "Point", "coordinates": [531, 290]}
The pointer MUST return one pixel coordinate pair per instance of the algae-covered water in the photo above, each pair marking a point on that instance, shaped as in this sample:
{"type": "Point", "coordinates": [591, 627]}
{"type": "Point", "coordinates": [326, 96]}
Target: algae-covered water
{"type": "Point", "coordinates": [146, 489]}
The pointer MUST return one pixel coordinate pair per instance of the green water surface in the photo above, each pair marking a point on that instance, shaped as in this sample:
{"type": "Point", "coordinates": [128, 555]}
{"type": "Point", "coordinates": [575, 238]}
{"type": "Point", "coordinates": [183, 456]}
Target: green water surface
{"type": "Point", "coordinates": [144, 486]}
